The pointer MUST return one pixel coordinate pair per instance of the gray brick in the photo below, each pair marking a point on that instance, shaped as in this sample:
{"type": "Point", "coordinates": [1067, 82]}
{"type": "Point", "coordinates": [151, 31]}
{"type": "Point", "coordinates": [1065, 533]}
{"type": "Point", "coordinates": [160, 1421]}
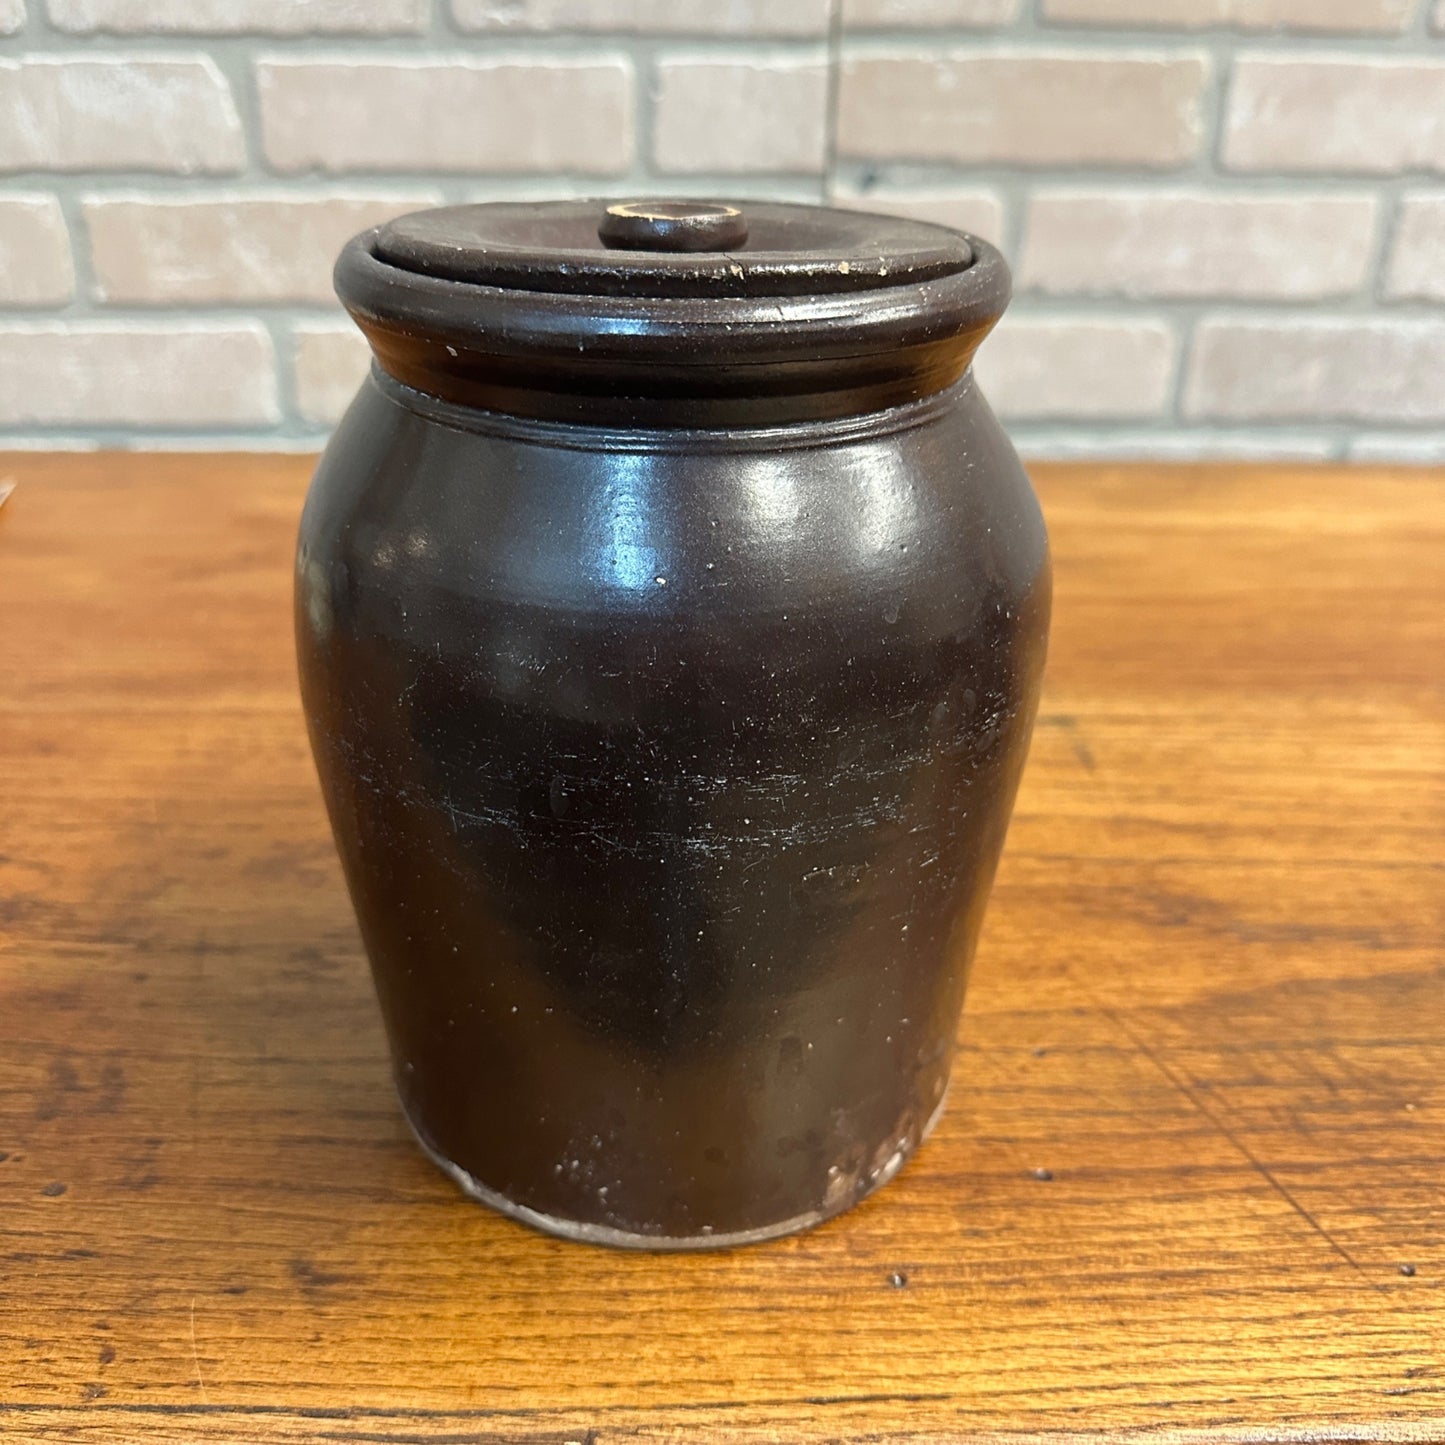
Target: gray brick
{"type": "Point", "coordinates": [110, 113]}
{"type": "Point", "coordinates": [1184, 243]}
{"type": "Point", "coordinates": [447, 114]}
{"type": "Point", "coordinates": [1190, 444]}
{"type": "Point", "coordinates": [35, 265]}
{"type": "Point", "coordinates": [1130, 108]}
{"type": "Point", "coordinates": [1325, 17]}
{"type": "Point", "coordinates": [1035, 368]}
{"type": "Point", "coordinates": [97, 373]}
{"type": "Point", "coordinates": [239, 17]}
{"type": "Point", "coordinates": [926, 14]}
{"type": "Point", "coordinates": [330, 360]}
{"type": "Point", "coordinates": [1317, 368]}
{"type": "Point", "coordinates": [1417, 257]}
{"type": "Point", "coordinates": [1399, 448]}
{"type": "Point", "coordinates": [741, 116]}
{"type": "Point", "coordinates": [227, 246]}
{"type": "Point", "coordinates": [1361, 115]}
{"type": "Point", "coordinates": [647, 17]}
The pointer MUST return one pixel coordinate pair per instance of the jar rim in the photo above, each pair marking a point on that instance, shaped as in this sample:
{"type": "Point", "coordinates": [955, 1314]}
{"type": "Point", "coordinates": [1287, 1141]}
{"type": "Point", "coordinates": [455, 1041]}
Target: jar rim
{"type": "Point", "coordinates": [673, 360]}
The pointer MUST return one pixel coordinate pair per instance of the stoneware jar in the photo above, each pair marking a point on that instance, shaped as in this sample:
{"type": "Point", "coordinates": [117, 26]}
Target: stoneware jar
{"type": "Point", "coordinates": [671, 611]}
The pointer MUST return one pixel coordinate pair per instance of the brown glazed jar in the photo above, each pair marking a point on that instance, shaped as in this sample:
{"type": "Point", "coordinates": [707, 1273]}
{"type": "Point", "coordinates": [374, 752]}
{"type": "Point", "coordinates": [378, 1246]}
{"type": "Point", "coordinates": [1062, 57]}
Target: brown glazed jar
{"type": "Point", "coordinates": [671, 611]}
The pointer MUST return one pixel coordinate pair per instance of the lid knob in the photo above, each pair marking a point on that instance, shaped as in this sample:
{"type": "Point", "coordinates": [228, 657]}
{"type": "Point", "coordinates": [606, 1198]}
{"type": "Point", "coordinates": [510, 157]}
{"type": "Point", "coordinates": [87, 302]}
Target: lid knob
{"type": "Point", "coordinates": [672, 226]}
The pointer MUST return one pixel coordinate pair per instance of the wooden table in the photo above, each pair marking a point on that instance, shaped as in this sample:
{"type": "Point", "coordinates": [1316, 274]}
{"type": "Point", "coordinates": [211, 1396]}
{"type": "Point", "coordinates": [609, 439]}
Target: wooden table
{"type": "Point", "coordinates": [1192, 1180]}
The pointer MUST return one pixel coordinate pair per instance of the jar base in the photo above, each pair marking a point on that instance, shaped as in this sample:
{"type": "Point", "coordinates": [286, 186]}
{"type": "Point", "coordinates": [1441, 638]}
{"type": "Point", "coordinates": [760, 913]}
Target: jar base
{"type": "Point", "coordinates": [587, 1233]}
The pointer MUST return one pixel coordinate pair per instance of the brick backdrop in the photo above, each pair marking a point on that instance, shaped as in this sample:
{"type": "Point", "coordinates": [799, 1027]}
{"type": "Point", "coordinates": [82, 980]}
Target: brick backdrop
{"type": "Point", "coordinates": [1226, 217]}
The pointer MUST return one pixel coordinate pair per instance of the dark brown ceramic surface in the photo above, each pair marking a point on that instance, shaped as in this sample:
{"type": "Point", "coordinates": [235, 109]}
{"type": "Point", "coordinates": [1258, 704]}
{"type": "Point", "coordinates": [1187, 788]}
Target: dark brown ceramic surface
{"type": "Point", "coordinates": [670, 663]}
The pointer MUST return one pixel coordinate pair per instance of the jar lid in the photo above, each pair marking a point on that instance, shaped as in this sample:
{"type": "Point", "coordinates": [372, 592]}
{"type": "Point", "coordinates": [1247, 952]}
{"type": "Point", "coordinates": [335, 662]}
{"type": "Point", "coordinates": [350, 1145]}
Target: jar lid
{"type": "Point", "coordinates": [670, 248]}
{"type": "Point", "coordinates": [671, 313]}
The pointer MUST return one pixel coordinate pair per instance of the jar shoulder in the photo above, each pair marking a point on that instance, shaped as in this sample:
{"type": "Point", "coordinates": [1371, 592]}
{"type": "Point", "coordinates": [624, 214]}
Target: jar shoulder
{"type": "Point", "coordinates": [928, 508]}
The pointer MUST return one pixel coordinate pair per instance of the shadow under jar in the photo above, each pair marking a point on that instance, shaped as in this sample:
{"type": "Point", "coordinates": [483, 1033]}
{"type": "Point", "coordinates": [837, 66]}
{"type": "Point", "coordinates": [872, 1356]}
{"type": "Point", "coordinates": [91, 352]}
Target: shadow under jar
{"type": "Point", "coordinates": [671, 611]}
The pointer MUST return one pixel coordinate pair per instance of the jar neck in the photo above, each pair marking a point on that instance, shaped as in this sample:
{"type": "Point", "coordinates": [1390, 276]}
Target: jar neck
{"type": "Point", "coordinates": [639, 397]}
{"type": "Point", "coordinates": [612, 435]}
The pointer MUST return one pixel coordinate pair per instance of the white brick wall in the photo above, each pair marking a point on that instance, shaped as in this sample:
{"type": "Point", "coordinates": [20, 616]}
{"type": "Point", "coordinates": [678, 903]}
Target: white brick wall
{"type": "Point", "coordinates": [35, 265]}
{"type": "Point", "coordinates": [1417, 259]}
{"type": "Point", "coordinates": [120, 373]}
{"type": "Point", "coordinates": [238, 17]}
{"type": "Point", "coordinates": [1226, 217]}
{"type": "Point", "coordinates": [923, 14]}
{"type": "Point", "coordinates": [1029, 108]}
{"type": "Point", "coordinates": [1351, 114]}
{"type": "Point", "coordinates": [141, 113]}
{"type": "Point", "coordinates": [444, 114]}
{"type": "Point", "coordinates": [329, 358]}
{"type": "Point", "coordinates": [1195, 243]}
{"type": "Point", "coordinates": [1321, 17]}
{"type": "Point", "coordinates": [1312, 368]}
{"type": "Point", "coordinates": [749, 18]}
{"type": "Point", "coordinates": [227, 247]}
{"type": "Point", "coordinates": [1033, 369]}
{"type": "Point", "coordinates": [736, 117]}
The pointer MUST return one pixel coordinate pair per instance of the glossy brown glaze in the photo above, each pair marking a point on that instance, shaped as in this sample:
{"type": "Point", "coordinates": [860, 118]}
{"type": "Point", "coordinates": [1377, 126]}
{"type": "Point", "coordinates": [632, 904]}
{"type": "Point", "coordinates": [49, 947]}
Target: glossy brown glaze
{"type": "Point", "coordinates": [670, 768]}
{"type": "Point", "coordinates": [819, 315]}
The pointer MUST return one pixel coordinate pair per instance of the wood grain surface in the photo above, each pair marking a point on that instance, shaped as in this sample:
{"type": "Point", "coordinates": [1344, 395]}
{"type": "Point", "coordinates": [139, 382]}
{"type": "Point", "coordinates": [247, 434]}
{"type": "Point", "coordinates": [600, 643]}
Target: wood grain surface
{"type": "Point", "coordinates": [1191, 1183]}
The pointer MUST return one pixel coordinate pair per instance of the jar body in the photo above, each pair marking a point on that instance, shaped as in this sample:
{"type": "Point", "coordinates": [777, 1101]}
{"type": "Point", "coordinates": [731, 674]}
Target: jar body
{"type": "Point", "coordinates": [669, 771]}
